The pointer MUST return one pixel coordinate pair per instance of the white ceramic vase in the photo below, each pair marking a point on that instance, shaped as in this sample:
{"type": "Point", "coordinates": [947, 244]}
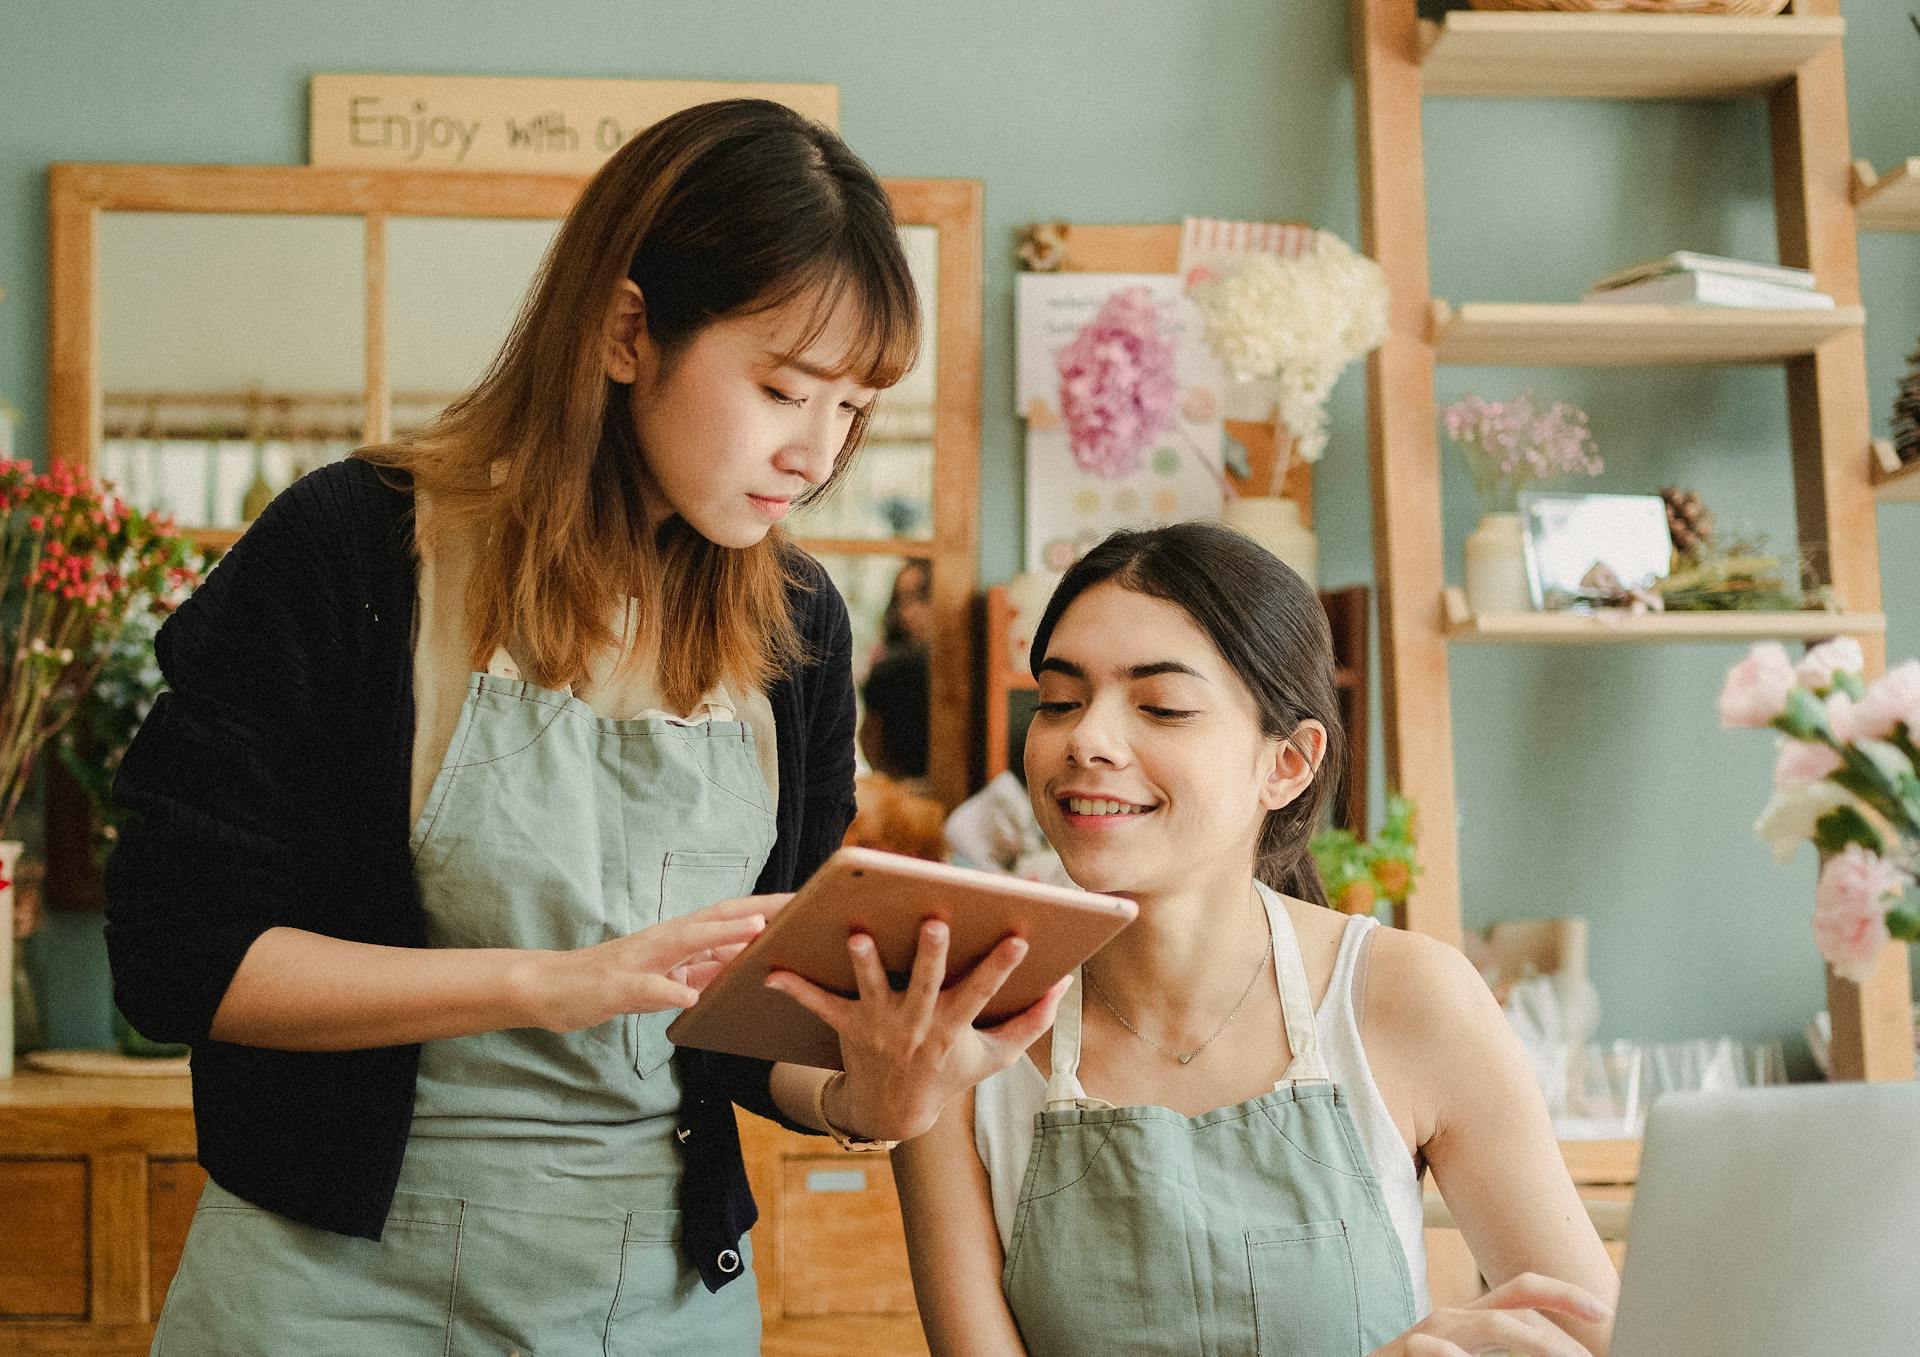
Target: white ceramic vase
{"type": "Point", "coordinates": [1275, 523]}
{"type": "Point", "coordinates": [9, 865]}
{"type": "Point", "coordinates": [1497, 567]}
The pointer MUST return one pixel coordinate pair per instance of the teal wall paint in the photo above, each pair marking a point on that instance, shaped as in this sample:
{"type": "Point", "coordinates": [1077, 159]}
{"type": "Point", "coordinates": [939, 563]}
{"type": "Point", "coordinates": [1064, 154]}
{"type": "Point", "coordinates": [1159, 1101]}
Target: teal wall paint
{"type": "Point", "coordinates": [1590, 781]}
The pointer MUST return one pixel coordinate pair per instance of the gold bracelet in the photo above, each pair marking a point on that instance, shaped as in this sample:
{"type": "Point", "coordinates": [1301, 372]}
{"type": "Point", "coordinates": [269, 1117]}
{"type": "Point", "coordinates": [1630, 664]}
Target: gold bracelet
{"type": "Point", "coordinates": [857, 1144]}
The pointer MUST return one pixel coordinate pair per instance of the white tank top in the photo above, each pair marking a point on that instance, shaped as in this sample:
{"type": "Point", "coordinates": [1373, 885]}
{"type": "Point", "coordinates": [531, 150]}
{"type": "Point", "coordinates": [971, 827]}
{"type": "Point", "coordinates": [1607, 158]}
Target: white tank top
{"type": "Point", "coordinates": [1005, 1104]}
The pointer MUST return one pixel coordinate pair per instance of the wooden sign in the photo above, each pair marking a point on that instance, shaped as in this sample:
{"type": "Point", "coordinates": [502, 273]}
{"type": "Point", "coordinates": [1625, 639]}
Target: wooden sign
{"type": "Point", "coordinates": [534, 124]}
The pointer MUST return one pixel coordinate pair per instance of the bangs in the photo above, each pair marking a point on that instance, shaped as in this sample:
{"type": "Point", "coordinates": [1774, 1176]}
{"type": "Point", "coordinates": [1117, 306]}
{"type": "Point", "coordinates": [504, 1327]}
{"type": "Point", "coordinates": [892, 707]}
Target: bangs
{"type": "Point", "coordinates": [874, 291]}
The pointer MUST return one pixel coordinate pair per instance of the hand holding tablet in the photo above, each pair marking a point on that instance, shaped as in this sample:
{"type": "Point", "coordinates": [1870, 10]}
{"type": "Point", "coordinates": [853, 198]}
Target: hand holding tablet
{"type": "Point", "coordinates": [888, 898]}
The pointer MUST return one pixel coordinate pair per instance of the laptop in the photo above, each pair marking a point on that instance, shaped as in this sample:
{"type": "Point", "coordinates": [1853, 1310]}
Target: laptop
{"type": "Point", "coordinates": [1776, 1222]}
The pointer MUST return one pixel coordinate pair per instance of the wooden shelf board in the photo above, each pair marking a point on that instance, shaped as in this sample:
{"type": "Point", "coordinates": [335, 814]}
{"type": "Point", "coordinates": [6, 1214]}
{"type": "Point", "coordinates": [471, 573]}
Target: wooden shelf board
{"type": "Point", "coordinates": [1600, 1162]}
{"type": "Point", "coordinates": [1533, 335]}
{"type": "Point", "coordinates": [1617, 56]}
{"type": "Point", "coordinates": [1463, 628]}
{"type": "Point", "coordinates": [1892, 482]}
{"type": "Point", "coordinates": [1890, 201]}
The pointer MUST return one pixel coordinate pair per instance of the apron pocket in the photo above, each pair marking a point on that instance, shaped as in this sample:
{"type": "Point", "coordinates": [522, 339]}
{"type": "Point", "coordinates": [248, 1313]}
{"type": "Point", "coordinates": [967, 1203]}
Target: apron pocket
{"type": "Point", "coordinates": [663, 1306]}
{"type": "Point", "coordinates": [254, 1284]}
{"type": "Point", "coordinates": [688, 882]}
{"type": "Point", "coordinates": [1305, 1299]}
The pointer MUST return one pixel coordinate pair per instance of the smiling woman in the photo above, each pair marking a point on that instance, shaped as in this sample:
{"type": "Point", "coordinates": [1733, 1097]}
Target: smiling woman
{"type": "Point", "coordinates": [1233, 1094]}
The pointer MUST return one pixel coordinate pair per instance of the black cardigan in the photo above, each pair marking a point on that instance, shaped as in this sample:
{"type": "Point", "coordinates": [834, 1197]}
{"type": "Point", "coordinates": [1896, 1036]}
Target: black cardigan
{"type": "Point", "coordinates": [270, 785]}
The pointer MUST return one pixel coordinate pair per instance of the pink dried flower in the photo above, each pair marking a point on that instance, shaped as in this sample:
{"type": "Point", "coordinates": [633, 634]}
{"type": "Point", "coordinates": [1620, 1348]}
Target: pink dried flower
{"type": "Point", "coordinates": [1856, 890]}
{"type": "Point", "coordinates": [1512, 444]}
{"type": "Point", "coordinates": [1803, 762]}
{"type": "Point", "coordinates": [1841, 656]}
{"type": "Point", "coordinates": [1843, 718]}
{"type": "Point", "coordinates": [1756, 688]}
{"type": "Point", "coordinates": [1117, 386]}
{"type": "Point", "coordinates": [1892, 700]}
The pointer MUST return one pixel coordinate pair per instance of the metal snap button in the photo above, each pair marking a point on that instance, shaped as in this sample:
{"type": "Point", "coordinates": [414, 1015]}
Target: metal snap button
{"type": "Point", "coordinates": [728, 1261]}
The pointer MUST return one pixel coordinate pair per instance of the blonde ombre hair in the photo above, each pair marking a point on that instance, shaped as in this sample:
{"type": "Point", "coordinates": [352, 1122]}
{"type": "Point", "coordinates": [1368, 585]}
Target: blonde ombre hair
{"type": "Point", "coordinates": [725, 210]}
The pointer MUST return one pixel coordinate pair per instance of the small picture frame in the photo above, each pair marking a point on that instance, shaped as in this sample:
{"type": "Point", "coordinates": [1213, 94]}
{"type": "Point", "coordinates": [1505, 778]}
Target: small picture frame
{"type": "Point", "coordinates": [1590, 551]}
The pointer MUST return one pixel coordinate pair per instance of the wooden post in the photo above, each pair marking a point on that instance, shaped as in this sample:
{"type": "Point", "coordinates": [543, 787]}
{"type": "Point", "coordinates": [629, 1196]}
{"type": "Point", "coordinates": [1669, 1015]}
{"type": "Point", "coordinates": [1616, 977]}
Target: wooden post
{"type": "Point", "coordinates": [1408, 530]}
{"type": "Point", "coordinates": [73, 379]}
{"type": "Point", "coordinates": [1829, 423]}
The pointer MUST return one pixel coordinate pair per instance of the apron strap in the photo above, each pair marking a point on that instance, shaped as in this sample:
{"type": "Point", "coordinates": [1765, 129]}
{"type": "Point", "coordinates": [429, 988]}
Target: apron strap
{"type": "Point", "coordinates": [1296, 999]}
{"type": "Point", "coordinates": [1063, 1060]}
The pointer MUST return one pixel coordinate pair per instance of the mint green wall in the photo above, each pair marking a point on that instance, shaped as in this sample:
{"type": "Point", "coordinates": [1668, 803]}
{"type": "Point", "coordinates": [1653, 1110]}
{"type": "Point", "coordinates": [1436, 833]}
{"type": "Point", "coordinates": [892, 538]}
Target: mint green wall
{"type": "Point", "coordinates": [1591, 781]}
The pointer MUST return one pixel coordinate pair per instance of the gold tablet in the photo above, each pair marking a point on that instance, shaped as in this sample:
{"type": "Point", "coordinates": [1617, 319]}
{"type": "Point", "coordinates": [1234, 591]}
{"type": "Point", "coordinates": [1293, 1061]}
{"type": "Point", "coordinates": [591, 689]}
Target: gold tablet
{"type": "Point", "coordinates": [886, 896]}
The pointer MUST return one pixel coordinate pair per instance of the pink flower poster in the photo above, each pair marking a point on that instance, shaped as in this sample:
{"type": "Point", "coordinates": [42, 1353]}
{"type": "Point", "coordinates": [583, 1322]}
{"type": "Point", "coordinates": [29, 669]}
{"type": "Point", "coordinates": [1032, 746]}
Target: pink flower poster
{"type": "Point", "coordinates": [1122, 403]}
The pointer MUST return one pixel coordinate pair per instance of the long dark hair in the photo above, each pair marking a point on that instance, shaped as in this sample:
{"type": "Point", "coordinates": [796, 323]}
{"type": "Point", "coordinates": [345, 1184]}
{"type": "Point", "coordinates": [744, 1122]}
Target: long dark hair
{"type": "Point", "coordinates": [1269, 627]}
{"type": "Point", "coordinates": [727, 209]}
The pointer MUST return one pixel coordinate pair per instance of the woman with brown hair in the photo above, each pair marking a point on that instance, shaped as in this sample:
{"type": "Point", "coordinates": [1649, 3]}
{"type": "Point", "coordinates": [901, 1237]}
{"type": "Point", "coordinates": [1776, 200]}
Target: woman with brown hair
{"type": "Point", "coordinates": [1219, 1145]}
{"type": "Point", "coordinates": [559, 635]}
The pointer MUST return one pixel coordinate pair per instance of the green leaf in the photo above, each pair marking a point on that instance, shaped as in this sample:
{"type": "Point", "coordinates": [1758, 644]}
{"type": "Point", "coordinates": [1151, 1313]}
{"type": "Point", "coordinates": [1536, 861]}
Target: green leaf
{"type": "Point", "coordinates": [1804, 718]}
{"type": "Point", "coordinates": [1887, 760]}
{"type": "Point", "coordinates": [1842, 826]}
{"type": "Point", "coordinates": [1903, 921]}
{"type": "Point", "coordinates": [1850, 684]}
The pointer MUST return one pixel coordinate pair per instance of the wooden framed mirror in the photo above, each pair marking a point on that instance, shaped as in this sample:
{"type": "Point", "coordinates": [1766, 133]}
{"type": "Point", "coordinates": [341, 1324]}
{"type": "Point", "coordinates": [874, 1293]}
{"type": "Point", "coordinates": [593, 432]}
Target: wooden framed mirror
{"type": "Point", "coordinates": [217, 330]}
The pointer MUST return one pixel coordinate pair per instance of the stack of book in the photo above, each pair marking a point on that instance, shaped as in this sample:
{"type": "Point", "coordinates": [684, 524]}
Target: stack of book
{"type": "Point", "coordinates": [1688, 279]}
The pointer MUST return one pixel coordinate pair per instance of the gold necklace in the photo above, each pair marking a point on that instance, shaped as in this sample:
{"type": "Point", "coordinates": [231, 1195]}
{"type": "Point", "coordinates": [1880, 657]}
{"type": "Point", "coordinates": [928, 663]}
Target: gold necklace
{"type": "Point", "coordinates": [1232, 1013]}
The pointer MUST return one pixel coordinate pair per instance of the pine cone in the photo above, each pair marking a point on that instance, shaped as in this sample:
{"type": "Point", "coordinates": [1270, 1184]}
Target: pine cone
{"type": "Point", "coordinates": [1688, 521]}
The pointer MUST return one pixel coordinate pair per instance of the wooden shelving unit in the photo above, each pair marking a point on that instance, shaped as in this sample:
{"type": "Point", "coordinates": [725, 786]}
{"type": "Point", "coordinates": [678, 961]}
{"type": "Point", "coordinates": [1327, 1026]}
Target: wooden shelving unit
{"type": "Point", "coordinates": [1894, 483]}
{"type": "Point", "coordinates": [1890, 201]}
{"type": "Point", "coordinates": [1503, 334]}
{"type": "Point", "coordinates": [1621, 628]}
{"type": "Point", "coordinates": [1795, 65]}
{"type": "Point", "coordinates": [1617, 56]}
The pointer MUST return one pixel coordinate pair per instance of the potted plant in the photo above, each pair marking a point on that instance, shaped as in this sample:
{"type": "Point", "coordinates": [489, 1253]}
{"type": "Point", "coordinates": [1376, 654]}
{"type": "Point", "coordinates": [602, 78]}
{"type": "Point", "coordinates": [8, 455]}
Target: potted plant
{"type": "Point", "coordinates": [1359, 873]}
{"type": "Point", "coordinates": [75, 562]}
{"type": "Point", "coordinates": [1509, 446]}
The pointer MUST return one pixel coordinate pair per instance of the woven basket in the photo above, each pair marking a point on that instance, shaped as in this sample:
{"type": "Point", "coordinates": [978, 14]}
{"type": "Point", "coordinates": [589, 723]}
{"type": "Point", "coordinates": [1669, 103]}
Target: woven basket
{"type": "Point", "coordinates": [1748, 8]}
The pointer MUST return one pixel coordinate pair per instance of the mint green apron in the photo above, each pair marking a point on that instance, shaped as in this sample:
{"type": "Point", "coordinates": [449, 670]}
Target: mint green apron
{"type": "Point", "coordinates": [537, 1204]}
{"type": "Point", "coordinates": [1253, 1229]}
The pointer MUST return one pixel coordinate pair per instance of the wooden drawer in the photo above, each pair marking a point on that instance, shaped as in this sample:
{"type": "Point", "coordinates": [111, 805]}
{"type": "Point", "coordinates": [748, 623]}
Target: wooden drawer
{"type": "Point", "coordinates": [842, 1248]}
{"type": "Point", "coordinates": [43, 1265]}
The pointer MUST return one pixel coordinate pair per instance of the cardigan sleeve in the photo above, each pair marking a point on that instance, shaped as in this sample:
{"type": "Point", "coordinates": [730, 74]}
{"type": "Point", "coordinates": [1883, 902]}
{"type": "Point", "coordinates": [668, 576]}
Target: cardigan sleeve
{"type": "Point", "coordinates": [204, 863]}
{"type": "Point", "coordinates": [827, 685]}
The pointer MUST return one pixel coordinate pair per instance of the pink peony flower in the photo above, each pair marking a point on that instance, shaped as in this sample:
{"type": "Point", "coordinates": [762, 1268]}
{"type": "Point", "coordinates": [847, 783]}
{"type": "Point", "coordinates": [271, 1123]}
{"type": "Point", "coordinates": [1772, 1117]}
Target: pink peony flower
{"type": "Point", "coordinates": [1756, 688]}
{"type": "Point", "coordinates": [1850, 909]}
{"type": "Point", "coordinates": [1892, 700]}
{"type": "Point", "coordinates": [1803, 763]}
{"type": "Point", "coordinates": [1817, 668]}
{"type": "Point", "coordinates": [1117, 387]}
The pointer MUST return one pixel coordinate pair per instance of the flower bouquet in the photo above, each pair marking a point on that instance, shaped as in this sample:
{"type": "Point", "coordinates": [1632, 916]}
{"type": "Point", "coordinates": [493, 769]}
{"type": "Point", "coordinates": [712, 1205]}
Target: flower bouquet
{"type": "Point", "coordinates": [1508, 446]}
{"type": "Point", "coordinates": [1513, 444]}
{"type": "Point", "coordinates": [1298, 321]}
{"type": "Point", "coordinates": [1846, 781]}
{"type": "Point", "coordinates": [75, 562]}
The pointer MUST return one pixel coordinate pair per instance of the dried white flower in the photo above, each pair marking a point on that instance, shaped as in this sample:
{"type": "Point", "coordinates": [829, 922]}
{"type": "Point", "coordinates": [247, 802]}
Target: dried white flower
{"type": "Point", "coordinates": [1298, 319]}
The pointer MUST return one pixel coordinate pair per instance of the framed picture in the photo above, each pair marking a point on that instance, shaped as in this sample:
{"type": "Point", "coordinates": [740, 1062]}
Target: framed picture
{"type": "Point", "coordinates": [1585, 551]}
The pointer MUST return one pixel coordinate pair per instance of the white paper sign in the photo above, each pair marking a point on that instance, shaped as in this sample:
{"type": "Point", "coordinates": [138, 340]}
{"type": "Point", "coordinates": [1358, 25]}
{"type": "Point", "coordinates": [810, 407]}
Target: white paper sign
{"type": "Point", "coordinates": [1077, 496]}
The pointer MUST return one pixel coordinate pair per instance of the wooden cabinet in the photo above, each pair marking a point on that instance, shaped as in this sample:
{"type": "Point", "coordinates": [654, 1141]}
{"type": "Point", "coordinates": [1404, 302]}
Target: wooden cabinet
{"type": "Point", "coordinates": [829, 1250]}
{"type": "Point", "coordinates": [97, 1188]}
